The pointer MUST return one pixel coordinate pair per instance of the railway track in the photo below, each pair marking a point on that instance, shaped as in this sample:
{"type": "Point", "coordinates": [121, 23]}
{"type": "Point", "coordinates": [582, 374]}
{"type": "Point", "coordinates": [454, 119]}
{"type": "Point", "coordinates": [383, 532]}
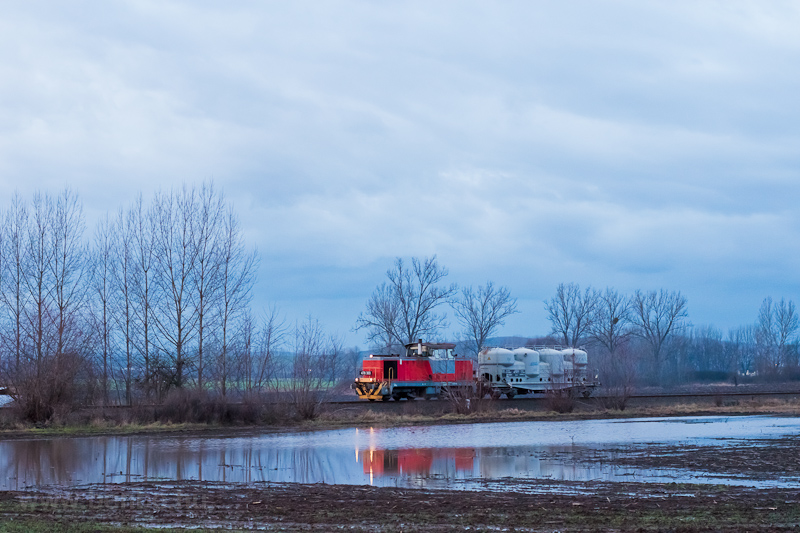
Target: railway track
{"type": "Point", "coordinates": [635, 396]}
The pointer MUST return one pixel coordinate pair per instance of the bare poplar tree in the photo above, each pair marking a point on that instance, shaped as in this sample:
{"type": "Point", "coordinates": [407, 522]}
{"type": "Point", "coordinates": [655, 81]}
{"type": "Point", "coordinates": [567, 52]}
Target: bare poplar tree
{"type": "Point", "coordinates": [403, 310]}
{"type": "Point", "coordinates": [657, 316]}
{"type": "Point", "coordinates": [237, 268]}
{"type": "Point", "coordinates": [207, 229]}
{"type": "Point", "coordinates": [102, 274]}
{"type": "Point", "coordinates": [38, 282]}
{"type": "Point", "coordinates": [141, 223]}
{"type": "Point", "coordinates": [611, 325]}
{"type": "Point", "coordinates": [67, 266]}
{"type": "Point", "coordinates": [12, 289]}
{"type": "Point", "coordinates": [482, 311]}
{"type": "Point", "coordinates": [123, 288]}
{"type": "Point", "coordinates": [571, 312]}
{"type": "Point", "coordinates": [176, 254]}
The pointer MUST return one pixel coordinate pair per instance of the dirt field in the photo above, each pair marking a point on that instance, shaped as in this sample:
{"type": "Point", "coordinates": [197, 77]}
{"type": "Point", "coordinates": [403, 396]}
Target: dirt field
{"type": "Point", "coordinates": [532, 506]}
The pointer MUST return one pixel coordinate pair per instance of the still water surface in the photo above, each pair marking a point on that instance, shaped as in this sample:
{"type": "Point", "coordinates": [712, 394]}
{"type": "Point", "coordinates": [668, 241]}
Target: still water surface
{"type": "Point", "coordinates": [454, 456]}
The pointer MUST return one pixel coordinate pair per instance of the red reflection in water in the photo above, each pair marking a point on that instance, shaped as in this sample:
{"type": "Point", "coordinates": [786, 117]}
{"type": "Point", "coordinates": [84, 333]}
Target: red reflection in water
{"type": "Point", "coordinates": [416, 460]}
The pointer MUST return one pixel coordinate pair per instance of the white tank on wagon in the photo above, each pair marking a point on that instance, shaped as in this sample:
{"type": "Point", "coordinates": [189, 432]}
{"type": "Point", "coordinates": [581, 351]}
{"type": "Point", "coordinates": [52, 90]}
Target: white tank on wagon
{"type": "Point", "coordinates": [554, 358]}
{"type": "Point", "coordinates": [576, 356]}
{"type": "Point", "coordinates": [496, 356]}
{"type": "Point", "coordinates": [530, 358]}
{"type": "Point", "coordinates": [526, 370]}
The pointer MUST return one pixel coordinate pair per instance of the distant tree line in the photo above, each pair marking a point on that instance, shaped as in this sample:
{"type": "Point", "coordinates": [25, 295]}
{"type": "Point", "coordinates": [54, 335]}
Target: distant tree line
{"type": "Point", "coordinates": [645, 338]}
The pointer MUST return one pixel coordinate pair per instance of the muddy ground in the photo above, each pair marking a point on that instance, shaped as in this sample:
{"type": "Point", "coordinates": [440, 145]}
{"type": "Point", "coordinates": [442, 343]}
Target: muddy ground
{"type": "Point", "coordinates": [527, 506]}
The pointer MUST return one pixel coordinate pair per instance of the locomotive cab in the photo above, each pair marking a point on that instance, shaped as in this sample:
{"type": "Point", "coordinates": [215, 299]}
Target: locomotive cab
{"type": "Point", "coordinates": [426, 370]}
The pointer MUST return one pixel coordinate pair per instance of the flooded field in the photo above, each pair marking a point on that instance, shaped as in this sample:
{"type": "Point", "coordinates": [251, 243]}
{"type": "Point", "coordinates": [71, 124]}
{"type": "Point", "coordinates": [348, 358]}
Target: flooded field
{"type": "Point", "coordinates": [475, 456]}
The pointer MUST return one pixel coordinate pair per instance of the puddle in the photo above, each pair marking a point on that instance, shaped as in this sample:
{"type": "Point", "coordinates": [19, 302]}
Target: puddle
{"type": "Point", "coordinates": [476, 456]}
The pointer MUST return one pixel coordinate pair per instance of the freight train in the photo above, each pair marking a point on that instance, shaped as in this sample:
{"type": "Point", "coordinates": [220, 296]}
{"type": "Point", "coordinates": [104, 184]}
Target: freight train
{"type": "Point", "coordinates": [429, 370]}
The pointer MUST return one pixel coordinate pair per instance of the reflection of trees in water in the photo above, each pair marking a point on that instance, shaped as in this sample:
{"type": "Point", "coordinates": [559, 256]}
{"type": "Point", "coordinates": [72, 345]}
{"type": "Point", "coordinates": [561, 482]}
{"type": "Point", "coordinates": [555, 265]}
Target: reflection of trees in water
{"type": "Point", "coordinates": [54, 461]}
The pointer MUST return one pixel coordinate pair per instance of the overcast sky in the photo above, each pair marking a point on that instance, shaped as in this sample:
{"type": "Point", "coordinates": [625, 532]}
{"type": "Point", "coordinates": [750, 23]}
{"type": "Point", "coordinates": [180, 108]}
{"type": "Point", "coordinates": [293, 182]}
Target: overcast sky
{"type": "Point", "coordinates": [631, 144]}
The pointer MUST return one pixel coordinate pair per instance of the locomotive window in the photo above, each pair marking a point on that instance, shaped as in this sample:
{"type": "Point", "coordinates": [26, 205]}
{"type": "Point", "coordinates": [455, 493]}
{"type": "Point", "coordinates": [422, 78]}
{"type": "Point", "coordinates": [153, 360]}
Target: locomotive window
{"type": "Point", "coordinates": [498, 377]}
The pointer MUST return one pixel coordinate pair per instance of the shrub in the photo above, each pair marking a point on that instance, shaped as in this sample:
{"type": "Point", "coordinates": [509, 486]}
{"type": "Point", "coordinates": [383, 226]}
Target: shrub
{"type": "Point", "coordinates": [560, 400]}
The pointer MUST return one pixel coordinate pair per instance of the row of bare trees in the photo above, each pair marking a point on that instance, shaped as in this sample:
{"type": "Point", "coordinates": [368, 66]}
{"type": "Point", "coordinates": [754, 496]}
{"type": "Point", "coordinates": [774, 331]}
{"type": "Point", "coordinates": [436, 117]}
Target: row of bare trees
{"type": "Point", "coordinates": [609, 318]}
{"type": "Point", "coordinates": [156, 298]}
{"type": "Point", "coordinates": [406, 308]}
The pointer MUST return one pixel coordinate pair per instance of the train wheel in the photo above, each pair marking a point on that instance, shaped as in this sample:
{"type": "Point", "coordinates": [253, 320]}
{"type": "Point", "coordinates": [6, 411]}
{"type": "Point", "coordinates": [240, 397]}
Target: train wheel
{"type": "Point", "coordinates": [385, 398]}
{"type": "Point", "coordinates": [495, 395]}
{"type": "Point", "coordinates": [510, 395]}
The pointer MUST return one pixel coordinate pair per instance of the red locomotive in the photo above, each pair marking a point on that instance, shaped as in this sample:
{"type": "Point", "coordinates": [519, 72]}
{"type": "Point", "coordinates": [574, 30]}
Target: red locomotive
{"type": "Point", "coordinates": [426, 370]}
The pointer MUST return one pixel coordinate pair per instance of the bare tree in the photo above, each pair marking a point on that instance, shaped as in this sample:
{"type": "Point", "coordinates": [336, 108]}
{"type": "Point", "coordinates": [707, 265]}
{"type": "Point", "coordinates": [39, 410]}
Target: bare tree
{"type": "Point", "coordinates": [482, 311]}
{"type": "Point", "coordinates": [618, 377]}
{"type": "Point", "coordinates": [102, 273]}
{"type": "Point", "coordinates": [658, 315]}
{"type": "Point", "coordinates": [237, 269]}
{"type": "Point", "coordinates": [611, 325]}
{"type": "Point", "coordinates": [403, 310]}
{"type": "Point", "coordinates": [12, 286]}
{"type": "Point", "coordinates": [176, 255]}
{"type": "Point", "coordinates": [271, 336]}
{"type": "Point", "coordinates": [571, 312]}
{"type": "Point", "coordinates": [381, 319]}
{"type": "Point", "coordinates": [141, 223]}
{"type": "Point", "coordinates": [742, 349]}
{"type": "Point", "coordinates": [787, 323]}
{"type": "Point", "coordinates": [67, 266]}
{"type": "Point", "coordinates": [123, 302]}
{"type": "Point", "coordinates": [206, 230]}
{"type": "Point", "coordinates": [776, 328]}
{"type": "Point", "coordinates": [309, 375]}
{"type": "Point", "coordinates": [38, 282]}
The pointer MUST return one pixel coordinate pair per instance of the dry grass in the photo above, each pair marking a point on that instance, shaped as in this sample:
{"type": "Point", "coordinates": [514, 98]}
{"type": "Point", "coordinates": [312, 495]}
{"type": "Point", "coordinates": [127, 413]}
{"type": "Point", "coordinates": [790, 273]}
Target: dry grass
{"type": "Point", "coordinates": [411, 416]}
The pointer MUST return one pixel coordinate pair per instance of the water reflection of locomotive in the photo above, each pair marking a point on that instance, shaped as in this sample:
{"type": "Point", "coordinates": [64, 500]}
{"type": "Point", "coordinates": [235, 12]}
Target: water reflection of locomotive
{"type": "Point", "coordinates": [430, 370]}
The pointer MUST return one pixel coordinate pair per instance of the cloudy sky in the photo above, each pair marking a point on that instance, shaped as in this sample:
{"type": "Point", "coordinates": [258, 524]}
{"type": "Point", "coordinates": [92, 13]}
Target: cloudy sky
{"type": "Point", "coordinates": [631, 144]}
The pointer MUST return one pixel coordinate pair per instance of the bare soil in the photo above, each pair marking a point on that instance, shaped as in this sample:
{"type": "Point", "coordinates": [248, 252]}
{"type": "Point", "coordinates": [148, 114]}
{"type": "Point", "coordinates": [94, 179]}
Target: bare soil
{"type": "Point", "coordinates": [527, 506]}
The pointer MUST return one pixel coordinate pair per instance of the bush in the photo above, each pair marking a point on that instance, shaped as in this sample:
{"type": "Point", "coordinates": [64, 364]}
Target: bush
{"type": "Point", "coordinates": [51, 388]}
{"type": "Point", "coordinates": [615, 397]}
{"type": "Point", "coordinates": [198, 407]}
{"type": "Point", "coordinates": [560, 400]}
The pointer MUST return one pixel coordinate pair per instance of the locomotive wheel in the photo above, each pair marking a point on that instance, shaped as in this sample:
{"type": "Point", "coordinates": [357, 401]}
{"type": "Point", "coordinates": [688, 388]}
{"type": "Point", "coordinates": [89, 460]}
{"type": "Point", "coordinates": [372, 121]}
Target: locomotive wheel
{"type": "Point", "coordinates": [385, 398]}
{"type": "Point", "coordinates": [510, 395]}
{"type": "Point", "coordinates": [495, 395]}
